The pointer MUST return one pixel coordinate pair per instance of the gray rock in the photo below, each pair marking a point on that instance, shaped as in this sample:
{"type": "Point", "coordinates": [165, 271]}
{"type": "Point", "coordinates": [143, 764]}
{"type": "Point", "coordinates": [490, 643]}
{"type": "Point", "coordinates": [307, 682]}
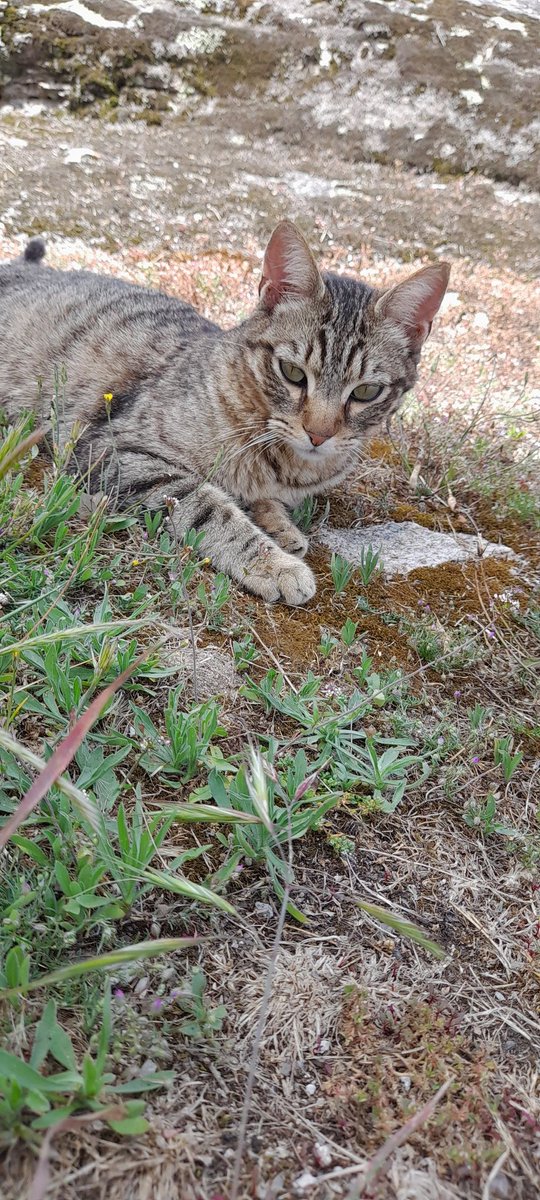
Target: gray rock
{"type": "Point", "coordinates": [404, 545]}
{"type": "Point", "coordinates": [215, 670]}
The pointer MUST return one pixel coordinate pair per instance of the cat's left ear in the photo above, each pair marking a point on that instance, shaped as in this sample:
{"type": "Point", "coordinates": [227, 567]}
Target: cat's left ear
{"type": "Point", "coordinates": [414, 303]}
{"type": "Point", "coordinates": [289, 268]}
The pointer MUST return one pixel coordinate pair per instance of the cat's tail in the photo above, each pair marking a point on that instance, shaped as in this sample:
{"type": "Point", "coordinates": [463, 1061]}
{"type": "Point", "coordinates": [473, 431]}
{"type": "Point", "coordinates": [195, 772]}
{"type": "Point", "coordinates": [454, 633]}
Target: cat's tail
{"type": "Point", "coordinates": [35, 250]}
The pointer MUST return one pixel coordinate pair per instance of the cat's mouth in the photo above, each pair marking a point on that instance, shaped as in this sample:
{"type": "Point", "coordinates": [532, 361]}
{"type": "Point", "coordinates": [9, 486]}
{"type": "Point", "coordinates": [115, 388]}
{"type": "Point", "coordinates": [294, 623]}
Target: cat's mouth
{"type": "Point", "coordinates": [304, 449]}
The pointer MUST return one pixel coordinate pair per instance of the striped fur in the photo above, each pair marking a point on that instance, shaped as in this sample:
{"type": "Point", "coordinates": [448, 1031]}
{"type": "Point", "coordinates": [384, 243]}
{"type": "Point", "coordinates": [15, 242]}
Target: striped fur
{"type": "Point", "coordinates": [203, 421]}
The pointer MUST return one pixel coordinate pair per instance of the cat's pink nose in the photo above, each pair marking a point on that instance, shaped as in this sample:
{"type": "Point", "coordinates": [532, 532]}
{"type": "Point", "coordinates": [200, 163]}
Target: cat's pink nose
{"type": "Point", "coordinates": [317, 439]}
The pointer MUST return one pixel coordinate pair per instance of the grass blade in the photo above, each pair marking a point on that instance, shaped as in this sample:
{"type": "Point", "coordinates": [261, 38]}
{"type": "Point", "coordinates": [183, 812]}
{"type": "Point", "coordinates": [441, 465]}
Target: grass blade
{"type": "Point", "coordinates": [404, 928]}
{"type": "Point", "coordinates": [210, 812]}
{"type": "Point", "coordinates": [184, 887]}
{"type": "Point", "coordinates": [64, 753]}
{"type": "Point", "coordinates": [79, 799]}
{"type": "Point", "coordinates": [101, 962]}
{"type": "Point", "coordinates": [20, 450]}
{"type": "Point", "coordinates": [76, 631]}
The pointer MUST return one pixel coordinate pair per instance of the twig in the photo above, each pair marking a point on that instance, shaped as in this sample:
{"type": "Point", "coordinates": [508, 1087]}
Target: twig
{"type": "Point", "coordinates": [493, 1174]}
{"type": "Point", "coordinates": [242, 1129]}
{"type": "Point", "coordinates": [392, 1143]}
{"type": "Point", "coordinates": [40, 1181]}
{"type": "Point", "coordinates": [254, 1061]}
{"type": "Point", "coordinates": [187, 603]}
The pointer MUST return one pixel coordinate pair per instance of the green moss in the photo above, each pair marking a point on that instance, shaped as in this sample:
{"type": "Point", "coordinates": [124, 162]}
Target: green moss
{"type": "Point", "coordinates": [200, 83]}
{"type": "Point", "coordinates": [446, 168]}
{"type": "Point", "coordinates": [108, 109]}
{"type": "Point", "coordinates": [152, 118]}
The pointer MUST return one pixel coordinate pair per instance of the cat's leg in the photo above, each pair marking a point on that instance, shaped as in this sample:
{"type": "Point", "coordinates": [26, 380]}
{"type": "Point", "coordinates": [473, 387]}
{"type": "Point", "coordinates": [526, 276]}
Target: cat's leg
{"type": "Point", "coordinates": [232, 541]}
{"type": "Point", "coordinates": [273, 517]}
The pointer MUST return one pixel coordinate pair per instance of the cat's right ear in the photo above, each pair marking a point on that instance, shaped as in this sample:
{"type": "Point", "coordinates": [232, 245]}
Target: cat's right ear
{"type": "Point", "coordinates": [289, 268]}
{"type": "Point", "coordinates": [413, 303]}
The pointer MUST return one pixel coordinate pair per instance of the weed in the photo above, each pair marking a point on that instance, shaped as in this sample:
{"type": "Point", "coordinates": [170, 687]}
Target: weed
{"type": "Point", "coordinates": [369, 564]}
{"type": "Point", "coordinates": [340, 844]}
{"type": "Point", "coordinates": [201, 1021]}
{"type": "Point", "coordinates": [477, 716]}
{"type": "Point", "coordinates": [484, 816]}
{"type": "Point", "coordinates": [177, 753]}
{"type": "Point", "coordinates": [342, 572]}
{"type": "Point", "coordinates": [245, 653]}
{"type": "Point", "coordinates": [503, 757]}
{"type": "Point", "coordinates": [348, 632]}
{"type": "Point", "coordinates": [215, 600]}
{"type": "Point", "coordinates": [288, 808]}
{"type": "Point", "coordinates": [327, 644]}
{"type": "Point", "coordinates": [304, 514]}
{"type": "Point", "coordinates": [32, 1100]}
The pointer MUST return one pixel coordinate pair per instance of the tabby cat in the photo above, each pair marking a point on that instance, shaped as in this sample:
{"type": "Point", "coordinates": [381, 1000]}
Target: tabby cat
{"type": "Point", "coordinates": [226, 429]}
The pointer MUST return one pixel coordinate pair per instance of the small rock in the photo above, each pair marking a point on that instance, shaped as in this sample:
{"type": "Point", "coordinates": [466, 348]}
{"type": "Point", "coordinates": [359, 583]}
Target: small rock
{"type": "Point", "coordinates": [500, 1188]}
{"type": "Point", "coordinates": [322, 1154]}
{"type": "Point", "coordinates": [264, 910]}
{"type": "Point", "coordinates": [215, 670]}
{"type": "Point", "coordinates": [303, 1182]}
{"type": "Point", "coordinates": [77, 153]}
{"type": "Point", "coordinates": [471, 96]}
{"type": "Point", "coordinates": [311, 1088]}
{"type": "Point", "coordinates": [480, 320]}
{"type": "Point", "coordinates": [450, 300]}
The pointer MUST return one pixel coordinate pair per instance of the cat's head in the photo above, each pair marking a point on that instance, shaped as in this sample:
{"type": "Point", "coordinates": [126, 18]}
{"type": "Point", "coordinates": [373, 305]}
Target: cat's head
{"type": "Point", "coordinates": [332, 356]}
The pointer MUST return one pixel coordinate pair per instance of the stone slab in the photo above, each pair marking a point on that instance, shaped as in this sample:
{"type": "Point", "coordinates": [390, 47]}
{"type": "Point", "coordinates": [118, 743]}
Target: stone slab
{"type": "Point", "coordinates": [404, 546]}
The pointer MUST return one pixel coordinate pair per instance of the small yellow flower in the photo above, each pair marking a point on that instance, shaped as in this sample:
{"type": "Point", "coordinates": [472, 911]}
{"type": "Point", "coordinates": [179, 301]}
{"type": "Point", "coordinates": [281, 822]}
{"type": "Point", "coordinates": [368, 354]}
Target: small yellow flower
{"type": "Point", "coordinates": [107, 396]}
{"type": "Point", "coordinates": [135, 562]}
{"type": "Point", "coordinates": [207, 561]}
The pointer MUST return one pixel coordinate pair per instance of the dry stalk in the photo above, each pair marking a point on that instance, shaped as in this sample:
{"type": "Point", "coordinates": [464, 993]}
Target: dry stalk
{"type": "Point", "coordinates": [392, 1143]}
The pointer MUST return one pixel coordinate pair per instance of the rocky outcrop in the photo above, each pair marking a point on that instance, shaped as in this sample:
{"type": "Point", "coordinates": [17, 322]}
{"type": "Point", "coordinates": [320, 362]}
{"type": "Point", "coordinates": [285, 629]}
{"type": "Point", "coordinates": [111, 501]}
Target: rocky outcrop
{"type": "Point", "coordinates": [440, 86]}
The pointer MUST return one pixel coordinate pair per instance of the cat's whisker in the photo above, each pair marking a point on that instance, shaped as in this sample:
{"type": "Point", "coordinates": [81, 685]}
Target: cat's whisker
{"type": "Point", "coordinates": [262, 439]}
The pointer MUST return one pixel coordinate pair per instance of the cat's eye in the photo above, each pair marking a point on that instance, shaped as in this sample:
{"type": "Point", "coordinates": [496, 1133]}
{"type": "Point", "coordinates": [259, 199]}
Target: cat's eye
{"type": "Point", "coordinates": [366, 391]}
{"type": "Point", "coordinates": [292, 373]}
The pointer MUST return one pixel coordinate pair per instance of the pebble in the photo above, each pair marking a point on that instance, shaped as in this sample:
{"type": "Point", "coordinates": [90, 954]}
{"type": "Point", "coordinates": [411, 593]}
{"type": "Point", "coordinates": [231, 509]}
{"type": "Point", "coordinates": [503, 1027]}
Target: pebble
{"type": "Point", "coordinates": [322, 1154]}
{"type": "Point", "coordinates": [303, 1182]}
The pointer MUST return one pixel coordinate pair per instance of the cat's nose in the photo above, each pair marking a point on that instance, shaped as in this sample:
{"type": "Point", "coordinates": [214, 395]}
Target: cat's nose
{"type": "Point", "coordinates": [317, 439]}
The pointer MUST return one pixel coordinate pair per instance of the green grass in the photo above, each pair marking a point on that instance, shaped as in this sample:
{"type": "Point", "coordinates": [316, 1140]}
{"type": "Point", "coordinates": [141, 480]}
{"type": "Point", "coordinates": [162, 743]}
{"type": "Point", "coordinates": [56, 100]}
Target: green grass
{"type": "Point", "coordinates": [86, 599]}
{"type": "Point", "coordinates": [162, 819]}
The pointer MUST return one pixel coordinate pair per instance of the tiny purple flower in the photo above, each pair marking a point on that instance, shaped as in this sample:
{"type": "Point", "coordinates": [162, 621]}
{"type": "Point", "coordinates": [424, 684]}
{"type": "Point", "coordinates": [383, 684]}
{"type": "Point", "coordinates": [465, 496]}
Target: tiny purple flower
{"type": "Point", "coordinates": [440, 741]}
{"type": "Point", "coordinates": [457, 694]}
{"type": "Point", "coordinates": [119, 994]}
{"type": "Point", "coordinates": [156, 1005]}
{"type": "Point", "coordinates": [476, 759]}
{"type": "Point", "coordinates": [490, 633]}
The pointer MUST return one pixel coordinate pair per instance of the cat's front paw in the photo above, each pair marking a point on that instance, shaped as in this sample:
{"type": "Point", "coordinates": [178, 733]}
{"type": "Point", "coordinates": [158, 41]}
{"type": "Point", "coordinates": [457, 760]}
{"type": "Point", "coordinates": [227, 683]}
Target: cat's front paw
{"type": "Point", "coordinates": [292, 540]}
{"type": "Point", "coordinates": [279, 576]}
